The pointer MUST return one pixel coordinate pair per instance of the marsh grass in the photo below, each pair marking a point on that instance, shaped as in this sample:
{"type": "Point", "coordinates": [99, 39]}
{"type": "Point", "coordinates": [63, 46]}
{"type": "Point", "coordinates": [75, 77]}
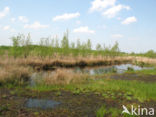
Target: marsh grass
{"type": "Point", "coordinates": [14, 74]}
{"type": "Point", "coordinates": [139, 90]}
{"type": "Point", "coordinates": [144, 71]}
{"type": "Point", "coordinates": [104, 111]}
{"type": "Point", "coordinates": [63, 77]}
{"type": "Point", "coordinates": [101, 112]}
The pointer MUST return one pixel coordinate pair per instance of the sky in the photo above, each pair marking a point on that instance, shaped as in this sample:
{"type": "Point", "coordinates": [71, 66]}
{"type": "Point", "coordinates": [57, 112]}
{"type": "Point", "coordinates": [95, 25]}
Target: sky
{"type": "Point", "coordinates": [130, 22]}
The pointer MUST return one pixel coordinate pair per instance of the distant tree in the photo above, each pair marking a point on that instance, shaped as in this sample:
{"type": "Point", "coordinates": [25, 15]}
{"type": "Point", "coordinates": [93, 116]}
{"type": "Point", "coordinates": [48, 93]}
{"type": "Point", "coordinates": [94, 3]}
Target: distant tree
{"type": "Point", "coordinates": [27, 43]}
{"type": "Point", "coordinates": [115, 47]}
{"type": "Point", "coordinates": [89, 45]}
{"type": "Point", "coordinates": [72, 45]}
{"type": "Point", "coordinates": [78, 44]}
{"type": "Point", "coordinates": [105, 48]}
{"type": "Point", "coordinates": [53, 42]}
{"type": "Point", "coordinates": [21, 40]}
{"type": "Point", "coordinates": [41, 43]}
{"type": "Point", "coordinates": [45, 41]}
{"type": "Point", "coordinates": [16, 40]}
{"type": "Point", "coordinates": [150, 53]}
{"type": "Point", "coordinates": [28, 40]}
{"type": "Point", "coordinates": [56, 43]}
{"type": "Point", "coordinates": [65, 41]}
{"type": "Point", "coordinates": [83, 46]}
{"type": "Point", "coordinates": [98, 47]}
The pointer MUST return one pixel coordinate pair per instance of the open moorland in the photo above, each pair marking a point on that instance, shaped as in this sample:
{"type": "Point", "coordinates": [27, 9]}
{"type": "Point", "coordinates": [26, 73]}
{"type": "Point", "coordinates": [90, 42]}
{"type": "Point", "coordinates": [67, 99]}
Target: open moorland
{"type": "Point", "coordinates": [62, 79]}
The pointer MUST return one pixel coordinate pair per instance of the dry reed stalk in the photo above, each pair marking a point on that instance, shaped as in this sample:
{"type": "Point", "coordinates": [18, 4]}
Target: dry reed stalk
{"type": "Point", "coordinates": [14, 72]}
{"type": "Point", "coordinates": [63, 61]}
{"type": "Point", "coordinates": [64, 76]}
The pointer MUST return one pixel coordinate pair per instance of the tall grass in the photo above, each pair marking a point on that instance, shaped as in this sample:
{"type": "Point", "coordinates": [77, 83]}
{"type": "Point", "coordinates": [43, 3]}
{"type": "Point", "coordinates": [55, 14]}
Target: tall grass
{"type": "Point", "coordinates": [62, 77]}
{"type": "Point", "coordinates": [14, 74]}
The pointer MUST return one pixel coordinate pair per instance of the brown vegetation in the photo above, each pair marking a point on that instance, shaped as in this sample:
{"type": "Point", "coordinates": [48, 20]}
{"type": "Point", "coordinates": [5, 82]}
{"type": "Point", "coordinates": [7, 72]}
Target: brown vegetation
{"type": "Point", "coordinates": [12, 69]}
{"type": "Point", "coordinates": [63, 76]}
{"type": "Point", "coordinates": [40, 63]}
{"type": "Point", "coordinates": [14, 73]}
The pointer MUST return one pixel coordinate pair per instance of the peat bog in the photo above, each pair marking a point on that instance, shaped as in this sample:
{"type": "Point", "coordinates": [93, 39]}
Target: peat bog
{"type": "Point", "coordinates": [51, 81]}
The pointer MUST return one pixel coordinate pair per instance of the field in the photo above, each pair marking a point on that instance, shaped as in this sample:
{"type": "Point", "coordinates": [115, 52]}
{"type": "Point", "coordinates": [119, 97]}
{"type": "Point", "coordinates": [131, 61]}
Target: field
{"type": "Point", "coordinates": [61, 79]}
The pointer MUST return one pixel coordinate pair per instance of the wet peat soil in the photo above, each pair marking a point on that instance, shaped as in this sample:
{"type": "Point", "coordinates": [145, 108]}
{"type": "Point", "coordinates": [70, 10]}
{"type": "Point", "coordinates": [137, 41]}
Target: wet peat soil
{"type": "Point", "coordinates": [12, 103]}
{"type": "Point", "coordinates": [133, 76]}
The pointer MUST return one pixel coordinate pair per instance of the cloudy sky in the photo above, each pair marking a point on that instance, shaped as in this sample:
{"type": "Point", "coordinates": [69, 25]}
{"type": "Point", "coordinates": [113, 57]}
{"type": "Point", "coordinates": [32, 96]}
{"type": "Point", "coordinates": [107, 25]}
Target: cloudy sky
{"type": "Point", "coordinates": [130, 22]}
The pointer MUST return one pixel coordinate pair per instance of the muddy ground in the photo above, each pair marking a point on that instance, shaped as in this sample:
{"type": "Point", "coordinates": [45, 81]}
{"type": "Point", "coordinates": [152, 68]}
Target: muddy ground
{"type": "Point", "coordinates": [13, 101]}
{"type": "Point", "coordinates": [133, 76]}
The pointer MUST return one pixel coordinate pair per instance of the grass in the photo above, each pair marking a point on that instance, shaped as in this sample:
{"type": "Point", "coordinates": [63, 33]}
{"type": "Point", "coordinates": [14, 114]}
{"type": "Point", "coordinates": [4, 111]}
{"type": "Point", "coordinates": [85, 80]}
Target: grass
{"type": "Point", "coordinates": [17, 61]}
{"type": "Point", "coordinates": [14, 74]}
{"type": "Point", "coordinates": [112, 112]}
{"type": "Point", "coordinates": [140, 90]}
{"type": "Point", "coordinates": [101, 112]}
{"type": "Point", "coordinates": [144, 71]}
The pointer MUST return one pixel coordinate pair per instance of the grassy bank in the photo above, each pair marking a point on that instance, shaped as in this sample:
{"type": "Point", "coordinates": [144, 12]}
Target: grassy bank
{"type": "Point", "coordinates": [144, 72]}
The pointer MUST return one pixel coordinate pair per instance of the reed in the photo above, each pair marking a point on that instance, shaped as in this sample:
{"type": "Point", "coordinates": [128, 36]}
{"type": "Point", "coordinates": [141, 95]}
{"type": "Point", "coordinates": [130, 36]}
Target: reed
{"type": "Point", "coordinates": [14, 74]}
{"type": "Point", "coordinates": [63, 77]}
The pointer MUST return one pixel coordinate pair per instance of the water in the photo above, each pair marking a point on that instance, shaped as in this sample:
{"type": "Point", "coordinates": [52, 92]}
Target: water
{"type": "Point", "coordinates": [38, 77]}
{"type": "Point", "coordinates": [108, 69]}
{"type": "Point", "coordinates": [40, 103]}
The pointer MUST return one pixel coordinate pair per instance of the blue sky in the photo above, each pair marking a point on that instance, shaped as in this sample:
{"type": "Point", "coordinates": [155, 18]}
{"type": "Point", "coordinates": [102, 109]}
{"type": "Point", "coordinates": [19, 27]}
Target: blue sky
{"type": "Point", "coordinates": [130, 22]}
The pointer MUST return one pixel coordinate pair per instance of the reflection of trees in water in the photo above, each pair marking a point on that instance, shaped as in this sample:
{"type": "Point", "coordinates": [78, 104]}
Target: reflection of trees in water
{"type": "Point", "coordinates": [96, 70]}
{"type": "Point", "coordinates": [104, 70]}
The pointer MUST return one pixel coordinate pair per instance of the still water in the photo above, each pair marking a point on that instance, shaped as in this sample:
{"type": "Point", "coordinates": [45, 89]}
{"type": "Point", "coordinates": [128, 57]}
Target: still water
{"type": "Point", "coordinates": [40, 103]}
{"type": "Point", "coordinates": [90, 70]}
{"type": "Point", "coordinates": [107, 69]}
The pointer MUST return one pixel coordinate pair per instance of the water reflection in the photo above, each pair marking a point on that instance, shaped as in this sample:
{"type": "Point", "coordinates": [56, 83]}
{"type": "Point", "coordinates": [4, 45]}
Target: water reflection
{"type": "Point", "coordinates": [37, 77]}
{"type": "Point", "coordinates": [107, 69]}
{"type": "Point", "coordinates": [42, 104]}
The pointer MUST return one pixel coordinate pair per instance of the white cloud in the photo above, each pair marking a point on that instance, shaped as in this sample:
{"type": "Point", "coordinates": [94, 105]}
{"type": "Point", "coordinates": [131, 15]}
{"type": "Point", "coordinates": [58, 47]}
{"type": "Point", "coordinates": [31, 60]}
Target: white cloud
{"type": "Point", "coordinates": [23, 19]}
{"type": "Point", "coordinates": [6, 27]}
{"type": "Point", "coordinates": [117, 36]}
{"type": "Point", "coordinates": [4, 12]}
{"type": "Point", "coordinates": [36, 25]}
{"type": "Point", "coordinates": [83, 29]}
{"type": "Point", "coordinates": [66, 16]}
{"type": "Point", "coordinates": [12, 30]}
{"type": "Point", "coordinates": [101, 4]}
{"type": "Point", "coordinates": [13, 19]}
{"type": "Point", "coordinates": [112, 12]}
{"type": "Point", "coordinates": [129, 20]}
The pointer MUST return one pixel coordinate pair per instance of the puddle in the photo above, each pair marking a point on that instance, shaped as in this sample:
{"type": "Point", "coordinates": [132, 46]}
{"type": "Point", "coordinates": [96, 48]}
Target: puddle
{"type": "Point", "coordinates": [40, 103]}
